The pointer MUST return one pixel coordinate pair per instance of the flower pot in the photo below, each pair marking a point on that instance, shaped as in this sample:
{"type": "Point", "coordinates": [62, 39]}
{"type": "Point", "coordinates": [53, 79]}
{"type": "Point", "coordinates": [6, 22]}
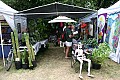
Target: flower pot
{"type": "Point", "coordinates": [31, 67]}
{"type": "Point", "coordinates": [18, 64]}
{"type": "Point", "coordinates": [96, 66]}
{"type": "Point", "coordinates": [34, 63]}
{"type": "Point", "coordinates": [25, 66]}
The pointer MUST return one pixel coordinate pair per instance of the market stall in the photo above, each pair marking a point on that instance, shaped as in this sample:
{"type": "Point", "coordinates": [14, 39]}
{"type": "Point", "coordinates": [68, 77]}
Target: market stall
{"type": "Point", "coordinates": [113, 28]}
{"type": "Point", "coordinates": [6, 26]}
{"type": "Point", "coordinates": [91, 21]}
{"type": "Point", "coordinates": [56, 9]}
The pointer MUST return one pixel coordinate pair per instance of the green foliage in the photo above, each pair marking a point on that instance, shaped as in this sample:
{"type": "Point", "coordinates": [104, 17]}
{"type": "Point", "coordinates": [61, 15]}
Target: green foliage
{"type": "Point", "coordinates": [23, 39]}
{"type": "Point", "coordinates": [101, 53]}
{"type": "Point", "coordinates": [24, 55]}
{"type": "Point", "coordinates": [30, 58]}
{"type": "Point", "coordinates": [17, 43]}
{"type": "Point", "coordinates": [31, 53]}
{"type": "Point", "coordinates": [13, 44]}
{"type": "Point", "coordinates": [30, 62]}
{"type": "Point", "coordinates": [91, 42]}
{"type": "Point", "coordinates": [39, 30]}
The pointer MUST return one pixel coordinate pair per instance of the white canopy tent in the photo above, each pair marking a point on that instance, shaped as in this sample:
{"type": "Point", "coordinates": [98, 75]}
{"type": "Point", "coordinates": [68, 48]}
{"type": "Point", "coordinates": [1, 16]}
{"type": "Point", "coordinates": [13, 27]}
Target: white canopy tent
{"type": "Point", "coordinates": [61, 19]}
{"type": "Point", "coordinates": [112, 9]}
{"type": "Point", "coordinates": [6, 13]}
{"type": "Point", "coordinates": [88, 18]}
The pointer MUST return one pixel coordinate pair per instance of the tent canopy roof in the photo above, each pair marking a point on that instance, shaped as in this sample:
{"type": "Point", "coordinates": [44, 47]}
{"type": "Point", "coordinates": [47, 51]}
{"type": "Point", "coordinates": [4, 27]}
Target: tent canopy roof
{"type": "Point", "coordinates": [112, 9]}
{"type": "Point", "coordinates": [56, 9]}
{"type": "Point", "coordinates": [5, 9]}
{"type": "Point", "coordinates": [88, 18]}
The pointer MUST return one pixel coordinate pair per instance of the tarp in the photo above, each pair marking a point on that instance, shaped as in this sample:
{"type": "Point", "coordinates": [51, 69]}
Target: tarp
{"type": "Point", "coordinates": [88, 18]}
{"type": "Point", "coordinates": [102, 11]}
{"type": "Point", "coordinates": [112, 9]}
{"type": "Point", "coordinates": [56, 9]}
{"type": "Point", "coordinates": [8, 14]}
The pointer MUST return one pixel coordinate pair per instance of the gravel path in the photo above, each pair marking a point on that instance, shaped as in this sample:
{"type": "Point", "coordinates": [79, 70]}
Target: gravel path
{"type": "Point", "coordinates": [53, 66]}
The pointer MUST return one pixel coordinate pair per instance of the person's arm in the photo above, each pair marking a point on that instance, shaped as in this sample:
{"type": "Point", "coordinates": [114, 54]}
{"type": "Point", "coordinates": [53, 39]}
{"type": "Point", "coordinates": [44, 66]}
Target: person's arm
{"type": "Point", "coordinates": [71, 35]}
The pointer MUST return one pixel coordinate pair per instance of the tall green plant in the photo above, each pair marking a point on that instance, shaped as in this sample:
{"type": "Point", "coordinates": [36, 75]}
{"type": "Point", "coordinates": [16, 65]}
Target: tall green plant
{"type": "Point", "coordinates": [32, 53]}
{"type": "Point", "coordinates": [91, 42]}
{"type": "Point", "coordinates": [30, 50]}
{"type": "Point", "coordinates": [17, 43]}
{"type": "Point", "coordinates": [24, 54]}
{"type": "Point", "coordinates": [13, 44]}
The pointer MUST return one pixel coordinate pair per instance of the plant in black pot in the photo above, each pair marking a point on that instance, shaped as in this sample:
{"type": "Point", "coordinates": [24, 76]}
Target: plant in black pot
{"type": "Point", "coordinates": [24, 59]}
{"type": "Point", "coordinates": [99, 55]}
{"type": "Point", "coordinates": [31, 54]}
{"type": "Point", "coordinates": [16, 51]}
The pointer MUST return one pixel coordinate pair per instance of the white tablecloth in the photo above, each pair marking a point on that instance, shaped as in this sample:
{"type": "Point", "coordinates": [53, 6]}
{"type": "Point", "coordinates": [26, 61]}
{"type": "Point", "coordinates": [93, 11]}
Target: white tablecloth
{"type": "Point", "coordinates": [44, 42]}
{"type": "Point", "coordinates": [36, 46]}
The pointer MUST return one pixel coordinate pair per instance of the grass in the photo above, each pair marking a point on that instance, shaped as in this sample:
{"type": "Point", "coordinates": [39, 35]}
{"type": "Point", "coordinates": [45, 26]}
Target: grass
{"type": "Point", "coordinates": [51, 65]}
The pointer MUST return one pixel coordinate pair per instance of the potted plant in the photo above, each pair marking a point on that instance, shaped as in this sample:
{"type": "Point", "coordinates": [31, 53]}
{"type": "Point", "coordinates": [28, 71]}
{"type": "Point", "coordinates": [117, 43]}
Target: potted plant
{"type": "Point", "coordinates": [16, 51]}
{"type": "Point", "coordinates": [24, 59]}
{"type": "Point", "coordinates": [31, 54]}
{"type": "Point", "coordinates": [99, 55]}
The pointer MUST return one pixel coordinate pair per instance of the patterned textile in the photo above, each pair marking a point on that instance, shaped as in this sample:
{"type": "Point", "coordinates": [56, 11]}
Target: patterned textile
{"type": "Point", "coordinates": [101, 25]}
{"type": "Point", "coordinates": [113, 30]}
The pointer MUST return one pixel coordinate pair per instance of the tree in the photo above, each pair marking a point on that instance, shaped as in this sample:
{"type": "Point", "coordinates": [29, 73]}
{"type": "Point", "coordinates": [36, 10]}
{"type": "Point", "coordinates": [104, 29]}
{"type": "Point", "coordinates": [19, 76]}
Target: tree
{"type": "Point", "coordinates": [26, 4]}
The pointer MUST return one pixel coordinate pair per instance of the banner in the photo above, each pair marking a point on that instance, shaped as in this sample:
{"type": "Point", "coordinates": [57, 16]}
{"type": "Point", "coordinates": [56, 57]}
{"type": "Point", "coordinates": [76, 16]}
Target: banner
{"type": "Point", "coordinates": [118, 51]}
{"type": "Point", "coordinates": [101, 25]}
{"type": "Point", "coordinates": [113, 30]}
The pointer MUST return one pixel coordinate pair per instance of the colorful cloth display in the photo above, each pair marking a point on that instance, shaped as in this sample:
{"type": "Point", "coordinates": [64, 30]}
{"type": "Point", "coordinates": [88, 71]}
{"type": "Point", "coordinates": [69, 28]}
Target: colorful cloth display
{"type": "Point", "coordinates": [101, 25]}
{"type": "Point", "coordinates": [113, 30]}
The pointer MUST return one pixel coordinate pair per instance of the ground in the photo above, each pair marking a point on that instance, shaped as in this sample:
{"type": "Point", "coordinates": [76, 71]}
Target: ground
{"type": "Point", "coordinates": [51, 65]}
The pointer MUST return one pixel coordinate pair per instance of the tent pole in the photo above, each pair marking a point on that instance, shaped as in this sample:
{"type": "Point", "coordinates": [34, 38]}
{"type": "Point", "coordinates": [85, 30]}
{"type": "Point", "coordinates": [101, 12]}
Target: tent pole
{"type": "Point", "coordinates": [97, 28]}
{"type": "Point", "coordinates": [2, 46]}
